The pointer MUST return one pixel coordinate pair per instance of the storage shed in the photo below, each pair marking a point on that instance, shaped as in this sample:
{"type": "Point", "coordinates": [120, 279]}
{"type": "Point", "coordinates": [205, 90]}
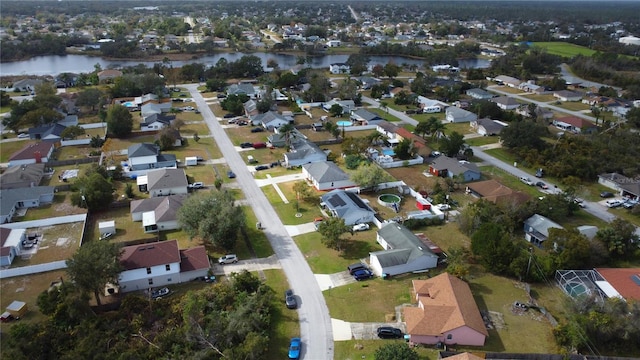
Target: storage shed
{"type": "Point", "coordinates": [423, 204]}
{"type": "Point", "coordinates": [191, 160]}
{"type": "Point", "coordinates": [107, 227]}
{"type": "Point", "coordinates": [17, 308]}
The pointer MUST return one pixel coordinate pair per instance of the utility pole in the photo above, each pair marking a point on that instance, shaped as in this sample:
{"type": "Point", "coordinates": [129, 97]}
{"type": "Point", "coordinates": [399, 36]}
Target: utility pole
{"type": "Point", "coordinates": [526, 275]}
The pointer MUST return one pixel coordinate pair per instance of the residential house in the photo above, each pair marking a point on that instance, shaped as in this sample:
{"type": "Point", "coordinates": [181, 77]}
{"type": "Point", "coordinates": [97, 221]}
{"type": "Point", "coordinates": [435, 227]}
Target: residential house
{"type": "Point", "coordinates": [446, 313]}
{"type": "Point", "coordinates": [339, 68]}
{"type": "Point", "coordinates": [326, 175]}
{"type": "Point", "coordinates": [51, 132]}
{"type": "Point", "coordinates": [396, 90]}
{"type": "Point", "coordinates": [508, 81]}
{"type": "Point", "coordinates": [404, 252]}
{"type": "Point", "coordinates": [33, 154]}
{"type": "Point", "coordinates": [480, 94]}
{"type": "Point", "coordinates": [488, 127]}
{"type": "Point", "coordinates": [611, 104]}
{"type": "Point", "coordinates": [271, 120]}
{"type": "Point", "coordinates": [601, 283]}
{"type": "Point", "coordinates": [445, 166]}
{"type": "Point", "coordinates": [365, 117]}
{"type": "Point", "coordinates": [278, 139]}
{"type": "Point", "coordinates": [333, 43]}
{"type": "Point", "coordinates": [250, 108]}
{"type": "Point", "coordinates": [540, 112]}
{"type": "Point", "coordinates": [303, 152]}
{"type": "Point", "coordinates": [159, 264]}
{"type": "Point", "coordinates": [347, 206]}
{"type": "Point", "coordinates": [368, 82]}
{"type": "Point", "coordinates": [173, 133]}
{"type": "Point", "coordinates": [430, 106]}
{"type": "Point", "coordinates": [108, 75]}
{"type": "Point", "coordinates": [163, 182]}
{"type": "Point", "coordinates": [495, 192]}
{"type": "Point", "coordinates": [536, 229]}
{"type": "Point", "coordinates": [458, 115]}
{"type": "Point", "coordinates": [242, 88]}
{"type": "Point", "coordinates": [145, 156]}
{"type": "Point", "coordinates": [387, 129]}
{"type": "Point", "coordinates": [531, 88]}
{"type": "Point", "coordinates": [567, 95]}
{"type": "Point", "coordinates": [614, 181]}
{"type": "Point", "coordinates": [157, 213]}
{"type": "Point", "coordinates": [623, 282]}
{"type": "Point", "coordinates": [10, 244]}
{"type": "Point", "coordinates": [418, 141]}
{"type": "Point", "coordinates": [11, 200]}
{"type": "Point", "coordinates": [156, 122]}
{"type": "Point", "coordinates": [347, 105]}
{"type": "Point", "coordinates": [631, 189]}
{"type": "Point", "coordinates": [146, 98]}
{"type": "Point", "coordinates": [27, 85]}
{"type": "Point", "coordinates": [22, 176]}
{"type": "Point", "coordinates": [505, 102]}
{"type": "Point", "coordinates": [575, 125]}
{"type": "Point", "coordinates": [69, 120]}
{"type": "Point", "coordinates": [155, 108]}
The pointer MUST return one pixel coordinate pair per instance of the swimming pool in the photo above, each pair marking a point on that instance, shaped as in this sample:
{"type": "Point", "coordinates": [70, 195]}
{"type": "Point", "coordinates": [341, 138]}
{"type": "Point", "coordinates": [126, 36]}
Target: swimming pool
{"type": "Point", "coordinates": [344, 123]}
{"type": "Point", "coordinates": [128, 104]}
{"type": "Point", "coordinates": [389, 152]}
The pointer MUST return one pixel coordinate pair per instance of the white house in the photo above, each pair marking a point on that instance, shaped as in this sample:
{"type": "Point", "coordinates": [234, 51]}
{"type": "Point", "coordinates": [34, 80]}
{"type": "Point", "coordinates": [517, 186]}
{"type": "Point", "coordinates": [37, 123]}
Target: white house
{"type": "Point", "coordinates": [13, 199]}
{"type": "Point", "coordinates": [566, 95]}
{"type": "Point", "coordinates": [536, 229]}
{"type": "Point", "coordinates": [403, 252]}
{"type": "Point", "coordinates": [457, 115]}
{"type": "Point", "coordinates": [163, 182]}
{"type": "Point", "coordinates": [326, 175]}
{"type": "Point", "coordinates": [155, 108]}
{"type": "Point", "coordinates": [10, 244]}
{"type": "Point", "coordinates": [347, 105]}
{"type": "Point", "coordinates": [339, 68]}
{"type": "Point", "coordinates": [505, 102]}
{"type": "Point", "coordinates": [160, 264]}
{"type": "Point", "coordinates": [347, 206]}
{"type": "Point", "coordinates": [157, 213]}
{"type": "Point", "coordinates": [488, 127]}
{"type": "Point", "coordinates": [333, 43]}
{"type": "Point", "coordinates": [146, 156]}
{"type": "Point", "coordinates": [430, 106]}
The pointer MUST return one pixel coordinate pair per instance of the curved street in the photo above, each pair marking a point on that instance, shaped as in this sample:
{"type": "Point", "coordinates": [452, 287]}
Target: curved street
{"type": "Point", "coordinates": [315, 324]}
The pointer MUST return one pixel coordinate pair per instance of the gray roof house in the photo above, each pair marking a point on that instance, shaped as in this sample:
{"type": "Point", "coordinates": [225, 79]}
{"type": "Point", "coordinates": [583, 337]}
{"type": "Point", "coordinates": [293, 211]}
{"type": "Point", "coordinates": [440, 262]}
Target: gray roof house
{"type": "Point", "coordinates": [13, 199]}
{"type": "Point", "coordinates": [365, 117]}
{"type": "Point", "coordinates": [10, 244]}
{"type": "Point", "coordinates": [326, 175]}
{"type": "Point", "coordinates": [536, 229]}
{"type": "Point", "coordinates": [145, 156]}
{"type": "Point", "coordinates": [271, 120]}
{"type": "Point", "coordinates": [480, 94]}
{"type": "Point", "coordinates": [347, 206]}
{"type": "Point", "coordinates": [163, 182]}
{"type": "Point", "coordinates": [304, 152]}
{"type": "Point", "coordinates": [488, 127]}
{"type": "Point", "coordinates": [250, 107]}
{"type": "Point", "coordinates": [154, 108]}
{"type": "Point", "coordinates": [156, 122]}
{"type": "Point", "coordinates": [157, 213]}
{"type": "Point", "coordinates": [445, 166]}
{"type": "Point", "coordinates": [278, 140]}
{"type": "Point", "coordinates": [52, 132]}
{"type": "Point", "coordinates": [403, 252]}
{"type": "Point", "coordinates": [456, 115]}
{"type": "Point", "coordinates": [26, 84]}
{"type": "Point", "coordinates": [242, 88]}
{"type": "Point", "coordinates": [22, 176]}
{"type": "Point", "coordinates": [347, 105]}
{"type": "Point", "coordinates": [506, 102]}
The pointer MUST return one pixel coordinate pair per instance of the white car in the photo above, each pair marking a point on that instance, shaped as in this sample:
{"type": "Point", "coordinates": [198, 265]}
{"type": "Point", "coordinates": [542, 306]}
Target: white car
{"type": "Point", "coordinates": [443, 207]}
{"type": "Point", "coordinates": [228, 259]}
{"type": "Point", "coordinates": [23, 136]}
{"type": "Point", "coordinates": [360, 227]}
{"type": "Point", "coordinates": [526, 180]}
{"type": "Point", "coordinates": [614, 203]}
{"type": "Point", "coordinates": [196, 185]}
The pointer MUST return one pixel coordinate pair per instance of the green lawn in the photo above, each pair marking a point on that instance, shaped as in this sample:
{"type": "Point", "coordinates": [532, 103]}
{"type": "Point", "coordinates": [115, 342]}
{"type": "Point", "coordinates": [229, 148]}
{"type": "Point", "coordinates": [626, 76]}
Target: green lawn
{"type": "Point", "coordinates": [365, 349]}
{"type": "Point", "coordinates": [287, 212]}
{"type": "Point", "coordinates": [323, 260]}
{"type": "Point", "coordinates": [482, 140]}
{"type": "Point", "coordinates": [258, 239]}
{"type": "Point", "coordinates": [284, 322]}
{"type": "Point", "coordinates": [574, 106]}
{"type": "Point", "coordinates": [564, 48]}
{"type": "Point", "coordinates": [7, 148]}
{"type": "Point", "coordinates": [542, 98]}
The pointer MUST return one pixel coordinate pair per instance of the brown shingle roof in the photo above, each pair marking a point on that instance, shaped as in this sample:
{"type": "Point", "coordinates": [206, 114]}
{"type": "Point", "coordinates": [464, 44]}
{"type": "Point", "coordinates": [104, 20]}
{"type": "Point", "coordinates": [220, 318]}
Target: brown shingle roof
{"type": "Point", "coordinates": [464, 356]}
{"type": "Point", "coordinates": [446, 304]}
{"type": "Point", "coordinates": [29, 151]}
{"type": "Point", "coordinates": [148, 255]}
{"type": "Point", "coordinates": [577, 122]}
{"type": "Point", "coordinates": [194, 259]}
{"type": "Point", "coordinates": [623, 281]}
{"type": "Point", "coordinates": [495, 192]}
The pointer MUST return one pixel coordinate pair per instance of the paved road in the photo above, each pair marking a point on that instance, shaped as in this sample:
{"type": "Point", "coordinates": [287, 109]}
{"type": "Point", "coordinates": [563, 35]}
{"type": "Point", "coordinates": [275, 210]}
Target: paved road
{"type": "Point", "coordinates": [315, 324]}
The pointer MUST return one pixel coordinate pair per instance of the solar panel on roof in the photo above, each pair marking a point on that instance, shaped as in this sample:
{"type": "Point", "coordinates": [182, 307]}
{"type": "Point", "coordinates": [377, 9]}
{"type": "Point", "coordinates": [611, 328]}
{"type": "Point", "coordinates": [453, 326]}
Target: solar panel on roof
{"type": "Point", "coordinates": [636, 279]}
{"type": "Point", "coordinates": [336, 201]}
{"type": "Point", "coordinates": [356, 200]}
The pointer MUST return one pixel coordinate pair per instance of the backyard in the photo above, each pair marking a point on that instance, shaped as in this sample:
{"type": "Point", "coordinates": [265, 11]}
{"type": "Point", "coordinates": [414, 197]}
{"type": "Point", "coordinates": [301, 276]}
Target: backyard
{"type": "Point", "coordinates": [57, 242]}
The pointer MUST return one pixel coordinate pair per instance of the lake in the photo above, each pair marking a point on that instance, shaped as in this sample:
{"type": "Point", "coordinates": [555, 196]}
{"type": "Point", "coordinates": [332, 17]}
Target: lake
{"type": "Point", "coordinates": [54, 64]}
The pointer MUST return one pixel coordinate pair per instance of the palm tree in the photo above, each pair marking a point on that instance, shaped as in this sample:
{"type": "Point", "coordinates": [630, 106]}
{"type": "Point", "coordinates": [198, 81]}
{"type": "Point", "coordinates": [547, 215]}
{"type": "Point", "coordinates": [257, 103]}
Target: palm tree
{"type": "Point", "coordinates": [288, 133]}
{"type": "Point", "coordinates": [437, 130]}
{"type": "Point", "coordinates": [596, 113]}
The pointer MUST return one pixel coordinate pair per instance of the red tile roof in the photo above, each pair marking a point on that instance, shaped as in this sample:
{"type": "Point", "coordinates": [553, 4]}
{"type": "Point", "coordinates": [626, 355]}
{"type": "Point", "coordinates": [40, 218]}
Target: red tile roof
{"type": "Point", "coordinates": [446, 304]}
{"type": "Point", "coordinates": [406, 134]}
{"type": "Point", "coordinates": [623, 281]}
{"type": "Point", "coordinates": [464, 356]}
{"type": "Point", "coordinates": [148, 255]}
{"type": "Point", "coordinates": [194, 259]}
{"type": "Point", "coordinates": [577, 122]}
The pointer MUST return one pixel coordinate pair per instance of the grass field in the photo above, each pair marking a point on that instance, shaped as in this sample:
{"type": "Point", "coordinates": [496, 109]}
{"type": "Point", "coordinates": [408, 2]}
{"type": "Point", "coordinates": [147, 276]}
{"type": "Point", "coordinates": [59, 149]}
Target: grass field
{"type": "Point", "coordinates": [284, 321]}
{"type": "Point", "coordinates": [564, 49]}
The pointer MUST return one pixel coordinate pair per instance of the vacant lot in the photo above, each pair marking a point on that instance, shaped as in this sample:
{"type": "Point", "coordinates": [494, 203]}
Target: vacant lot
{"type": "Point", "coordinates": [574, 106]}
{"type": "Point", "coordinates": [564, 49]}
{"type": "Point", "coordinates": [323, 260]}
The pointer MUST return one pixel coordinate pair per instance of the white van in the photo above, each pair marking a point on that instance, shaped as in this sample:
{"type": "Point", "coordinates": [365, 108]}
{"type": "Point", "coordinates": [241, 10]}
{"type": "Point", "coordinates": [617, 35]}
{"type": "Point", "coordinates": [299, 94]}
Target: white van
{"type": "Point", "coordinates": [251, 159]}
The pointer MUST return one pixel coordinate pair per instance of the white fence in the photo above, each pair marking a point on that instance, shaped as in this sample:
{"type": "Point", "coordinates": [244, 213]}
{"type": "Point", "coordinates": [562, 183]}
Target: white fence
{"type": "Point", "coordinates": [85, 141]}
{"type": "Point", "coordinates": [401, 163]}
{"type": "Point", "coordinates": [94, 125]}
{"type": "Point", "coordinates": [33, 269]}
{"type": "Point", "coordinates": [46, 222]}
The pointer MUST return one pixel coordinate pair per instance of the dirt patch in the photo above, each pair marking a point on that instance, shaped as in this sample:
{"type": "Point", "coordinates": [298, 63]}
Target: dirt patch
{"type": "Point", "coordinates": [414, 177]}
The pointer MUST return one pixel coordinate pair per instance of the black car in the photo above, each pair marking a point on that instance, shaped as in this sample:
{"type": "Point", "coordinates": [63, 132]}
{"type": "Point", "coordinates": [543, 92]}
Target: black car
{"type": "Point", "coordinates": [257, 130]}
{"type": "Point", "coordinates": [290, 300]}
{"type": "Point", "coordinates": [606, 194]}
{"type": "Point", "coordinates": [261, 167]}
{"type": "Point", "coordinates": [541, 185]}
{"type": "Point", "coordinates": [230, 174]}
{"type": "Point", "coordinates": [355, 267]}
{"type": "Point", "coordinates": [246, 145]}
{"type": "Point", "coordinates": [229, 116]}
{"type": "Point", "coordinates": [388, 332]}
